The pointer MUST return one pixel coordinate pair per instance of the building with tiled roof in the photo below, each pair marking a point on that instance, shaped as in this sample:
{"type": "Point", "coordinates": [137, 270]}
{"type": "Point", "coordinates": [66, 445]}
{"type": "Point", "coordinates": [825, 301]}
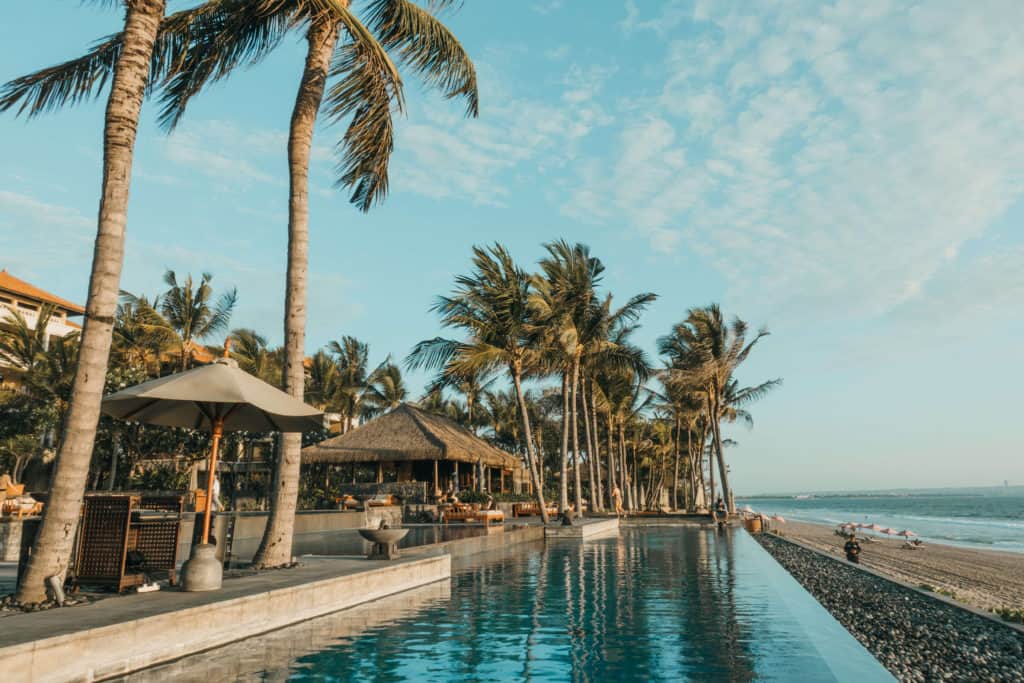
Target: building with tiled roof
{"type": "Point", "coordinates": [22, 298]}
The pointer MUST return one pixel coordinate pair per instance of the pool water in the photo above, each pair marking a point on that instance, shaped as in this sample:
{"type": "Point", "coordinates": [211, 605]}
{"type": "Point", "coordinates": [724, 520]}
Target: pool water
{"type": "Point", "coordinates": [654, 604]}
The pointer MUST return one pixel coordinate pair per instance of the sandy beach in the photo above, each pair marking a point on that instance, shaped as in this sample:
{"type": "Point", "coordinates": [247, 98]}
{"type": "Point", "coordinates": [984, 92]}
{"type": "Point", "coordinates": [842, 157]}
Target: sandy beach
{"type": "Point", "coordinates": [982, 578]}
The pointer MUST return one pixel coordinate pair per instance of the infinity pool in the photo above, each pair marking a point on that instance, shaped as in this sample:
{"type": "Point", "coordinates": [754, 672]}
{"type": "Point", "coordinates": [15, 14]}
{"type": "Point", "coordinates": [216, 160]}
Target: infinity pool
{"type": "Point", "coordinates": [669, 603]}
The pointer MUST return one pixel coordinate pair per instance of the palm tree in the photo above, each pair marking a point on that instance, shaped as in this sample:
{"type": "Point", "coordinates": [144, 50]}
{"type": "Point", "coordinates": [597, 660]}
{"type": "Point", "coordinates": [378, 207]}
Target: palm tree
{"type": "Point", "coordinates": [577, 328]}
{"type": "Point", "coordinates": [141, 335]}
{"type": "Point", "coordinates": [350, 397]}
{"type": "Point", "coordinates": [21, 342]}
{"type": "Point", "coordinates": [366, 88]}
{"type": "Point", "coordinates": [386, 389]}
{"type": "Point", "coordinates": [192, 314]}
{"type": "Point", "coordinates": [492, 306]}
{"type": "Point", "coordinates": [254, 355]}
{"type": "Point", "coordinates": [207, 43]}
{"type": "Point", "coordinates": [472, 387]}
{"type": "Point", "coordinates": [705, 350]}
{"type": "Point", "coordinates": [130, 66]}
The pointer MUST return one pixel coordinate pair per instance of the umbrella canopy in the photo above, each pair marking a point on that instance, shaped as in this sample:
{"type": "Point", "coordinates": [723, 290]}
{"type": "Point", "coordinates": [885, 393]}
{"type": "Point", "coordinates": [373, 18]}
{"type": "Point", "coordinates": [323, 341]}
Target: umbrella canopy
{"type": "Point", "coordinates": [907, 533]}
{"type": "Point", "coordinates": [779, 518]}
{"type": "Point", "coordinates": [196, 398]}
{"type": "Point", "coordinates": [889, 530]}
{"type": "Point", "coordinates": [875, 527]}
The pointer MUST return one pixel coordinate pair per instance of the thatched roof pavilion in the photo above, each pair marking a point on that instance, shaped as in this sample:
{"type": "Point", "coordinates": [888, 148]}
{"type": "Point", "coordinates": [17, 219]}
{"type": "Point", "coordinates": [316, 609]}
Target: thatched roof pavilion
{"type": "Point", "coordinates": [419, 445]}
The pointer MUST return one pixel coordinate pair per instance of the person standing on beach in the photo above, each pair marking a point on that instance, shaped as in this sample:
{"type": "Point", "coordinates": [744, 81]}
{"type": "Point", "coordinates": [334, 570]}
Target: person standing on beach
{"type": "Point", "coordinates": [852, 549]}
{"type": "Point", "coordinates": [617, 498]}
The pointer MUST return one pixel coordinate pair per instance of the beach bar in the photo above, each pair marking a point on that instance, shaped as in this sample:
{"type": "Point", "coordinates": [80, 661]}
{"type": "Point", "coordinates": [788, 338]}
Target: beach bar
{"type": "Point", "coordinates": [408, 444]}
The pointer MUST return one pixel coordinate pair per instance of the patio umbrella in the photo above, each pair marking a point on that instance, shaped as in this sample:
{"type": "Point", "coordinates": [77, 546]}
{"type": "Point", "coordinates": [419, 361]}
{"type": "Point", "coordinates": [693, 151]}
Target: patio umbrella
{"type": "Point", "coordinates": [889, 531]}
{"type": "Point", "coordinates": [213, 398]}
{"type": "Point", "coordinates": [906, 533]}
{"type": "Point", "coordinates": [779, 518]}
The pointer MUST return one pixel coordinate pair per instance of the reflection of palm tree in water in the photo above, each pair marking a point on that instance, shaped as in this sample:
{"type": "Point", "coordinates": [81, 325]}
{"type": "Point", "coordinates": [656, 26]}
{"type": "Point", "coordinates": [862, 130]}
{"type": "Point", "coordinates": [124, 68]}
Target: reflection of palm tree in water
{"type": "Point", "coordinates": [719, 643]}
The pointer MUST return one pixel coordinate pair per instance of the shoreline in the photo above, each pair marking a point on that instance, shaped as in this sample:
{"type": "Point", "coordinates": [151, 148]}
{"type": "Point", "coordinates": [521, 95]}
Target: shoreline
{"type": "Point", "coordinates": [985, 579]}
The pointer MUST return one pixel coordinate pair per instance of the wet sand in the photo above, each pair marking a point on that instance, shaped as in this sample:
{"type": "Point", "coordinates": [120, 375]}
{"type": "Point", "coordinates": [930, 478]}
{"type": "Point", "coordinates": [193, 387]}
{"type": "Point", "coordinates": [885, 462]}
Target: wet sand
{"type": "Point", "coordinates": [983, 578]}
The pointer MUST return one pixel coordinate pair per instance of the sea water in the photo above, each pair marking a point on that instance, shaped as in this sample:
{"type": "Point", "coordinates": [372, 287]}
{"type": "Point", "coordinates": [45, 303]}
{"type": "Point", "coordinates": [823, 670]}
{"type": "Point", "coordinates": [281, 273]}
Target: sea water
{"type": "Point", "coordinates": [992, 520]}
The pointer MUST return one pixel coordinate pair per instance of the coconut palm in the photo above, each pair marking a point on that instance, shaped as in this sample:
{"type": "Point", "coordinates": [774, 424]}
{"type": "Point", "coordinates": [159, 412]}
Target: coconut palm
{"type": "Point", "coordinates": [127, 67]}
{"type": "Point", "coordinates": [386, 389]}
{"type": "Point", "coordinates": [141, 335]}
{"type": "Point", "coordinates": [577, 327]}
{"type": "Point", "coordinates": [472, 388]}
{"type": "Point", "coordinates": [705, 350]}
{"type": "Point", "coordinates": [366, 88]}
{"type": "Point", "coordinates": [254, 355]}
{"type": "Point", "coordinates": [207, 43]}
{"type": "Point", "coordinates": [491, 305]}
{"type": "Point", "coordinates": [191, 312]}
{"type": "Point", "coordinates": [23, 343]}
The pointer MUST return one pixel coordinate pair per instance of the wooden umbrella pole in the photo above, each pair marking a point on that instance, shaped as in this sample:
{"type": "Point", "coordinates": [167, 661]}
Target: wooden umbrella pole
{"type": "Point", "coordinates": [211, 474]}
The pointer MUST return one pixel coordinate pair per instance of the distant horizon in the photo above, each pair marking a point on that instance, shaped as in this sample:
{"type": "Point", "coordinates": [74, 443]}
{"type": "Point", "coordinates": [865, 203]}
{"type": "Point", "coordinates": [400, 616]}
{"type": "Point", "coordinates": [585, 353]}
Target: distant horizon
{"type": "Point", "coordinates": [1015, 488]}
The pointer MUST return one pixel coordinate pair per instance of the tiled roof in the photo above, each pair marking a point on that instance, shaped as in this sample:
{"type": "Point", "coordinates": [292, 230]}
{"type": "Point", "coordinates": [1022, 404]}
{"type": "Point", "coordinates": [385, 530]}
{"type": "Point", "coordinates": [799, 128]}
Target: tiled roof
{"type": "Point", "coordinates": [9, 283]}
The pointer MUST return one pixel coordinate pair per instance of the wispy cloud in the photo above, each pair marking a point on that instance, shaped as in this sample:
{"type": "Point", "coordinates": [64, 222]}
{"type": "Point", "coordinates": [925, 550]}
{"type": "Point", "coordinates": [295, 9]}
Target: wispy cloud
{"type": "Point", "coordinates": [822, 157]}
{"type": "Point", "coordinates": [440, 154]}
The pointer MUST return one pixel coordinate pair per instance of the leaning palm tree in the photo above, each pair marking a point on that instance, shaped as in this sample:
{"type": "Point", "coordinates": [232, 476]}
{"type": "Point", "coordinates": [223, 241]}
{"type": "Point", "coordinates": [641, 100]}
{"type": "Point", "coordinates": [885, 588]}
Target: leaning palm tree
{"type": "Point", "coordinates": [128, 66]}
{"type": "Point", "coordinates": [705, 350]}
{"type": "Point", "coordinates": [491, 305]}
{"type": "Point", "coordinates": [208, 42]}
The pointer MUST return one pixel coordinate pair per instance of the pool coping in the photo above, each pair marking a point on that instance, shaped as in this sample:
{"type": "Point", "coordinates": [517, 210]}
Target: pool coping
{"type": "Point", "coordinates": [140, 631]}
{"type": "Point", "coordinates": [909, 586]}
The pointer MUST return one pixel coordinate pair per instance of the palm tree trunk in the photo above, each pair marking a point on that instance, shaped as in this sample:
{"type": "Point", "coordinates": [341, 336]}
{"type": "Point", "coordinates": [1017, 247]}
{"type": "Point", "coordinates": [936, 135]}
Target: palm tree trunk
{"type": "Point", "coordinates": [716, 434]}
{"type": "Point", "coordinates": [592, 461]}
{"type": "Point", "coordinates": [531, 459]}
{"type": "Point", "coordinates": [276, 545]}
{"type": "Point", "coordinates": [576, 439]}
{"type": "Point", "coordinates": [563, 481]}
{"type": "Point", "coordinates": [623, 468]}
{"type": "Point", "coordinates": [675, 469]}
{"type": "Point", "coordinates": [52, 550]}
{"type": "Point", "coordinates": [597, 446]}
{"type": "Point", "coordinates": [612, 479]}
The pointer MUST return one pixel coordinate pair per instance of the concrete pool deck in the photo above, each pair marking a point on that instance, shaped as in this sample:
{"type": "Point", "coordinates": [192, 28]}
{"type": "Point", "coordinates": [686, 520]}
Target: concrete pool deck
{"type": "Point", "coordinates": [115, 636]}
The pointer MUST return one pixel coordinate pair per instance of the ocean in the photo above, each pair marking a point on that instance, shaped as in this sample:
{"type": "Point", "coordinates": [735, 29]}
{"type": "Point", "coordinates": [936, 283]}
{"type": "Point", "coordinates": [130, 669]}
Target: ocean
{"type": "Point", "coordinates": [992, 520]}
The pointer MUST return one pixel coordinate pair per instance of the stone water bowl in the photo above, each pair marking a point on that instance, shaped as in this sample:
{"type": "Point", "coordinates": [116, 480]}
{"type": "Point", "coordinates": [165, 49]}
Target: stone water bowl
{"type": "Point", "coordinates": [385, 542]}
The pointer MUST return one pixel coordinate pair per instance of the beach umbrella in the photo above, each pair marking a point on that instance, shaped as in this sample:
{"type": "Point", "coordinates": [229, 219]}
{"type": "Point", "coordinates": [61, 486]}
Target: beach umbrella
{"type": "Point", "coordinates": [748, 509]}
{"type": "Point", "coordinates": [907, 533]}
{"type": "Point", "coordinates": [779, 518]}
{"type": "Point", "coordinates": [874, 527]}
{"type": "Point", "coordinates": [888, 531]}
{"type": "Point", "coordinates": [213, 398]}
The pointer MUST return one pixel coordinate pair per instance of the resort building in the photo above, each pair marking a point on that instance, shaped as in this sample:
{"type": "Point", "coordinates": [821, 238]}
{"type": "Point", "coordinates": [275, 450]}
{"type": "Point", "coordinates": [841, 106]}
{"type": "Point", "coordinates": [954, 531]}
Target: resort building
{"type": "Point", "coordinates": [412, 445]}
{"type": "Point", "coordinates": [18, 297]}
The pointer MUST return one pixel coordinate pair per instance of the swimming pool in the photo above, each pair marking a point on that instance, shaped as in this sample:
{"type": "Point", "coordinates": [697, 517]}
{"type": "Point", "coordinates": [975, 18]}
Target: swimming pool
{"type": "Point", "coordinates": [668, 603]}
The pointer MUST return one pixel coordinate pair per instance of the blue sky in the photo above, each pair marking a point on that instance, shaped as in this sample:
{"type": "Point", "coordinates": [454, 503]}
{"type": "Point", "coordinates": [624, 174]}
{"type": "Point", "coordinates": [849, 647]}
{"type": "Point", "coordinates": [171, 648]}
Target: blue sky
{"type": "Point", "coordinates": [850, 174]}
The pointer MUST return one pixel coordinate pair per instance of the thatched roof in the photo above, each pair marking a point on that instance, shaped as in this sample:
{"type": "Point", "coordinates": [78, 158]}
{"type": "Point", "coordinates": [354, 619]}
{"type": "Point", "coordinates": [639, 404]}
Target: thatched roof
{"type": "Point", "coordinates": [408, 433]}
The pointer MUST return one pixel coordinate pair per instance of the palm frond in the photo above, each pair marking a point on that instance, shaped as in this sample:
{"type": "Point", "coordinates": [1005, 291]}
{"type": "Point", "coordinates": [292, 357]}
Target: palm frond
{"type": "Point", "coordinates": [426, 45]}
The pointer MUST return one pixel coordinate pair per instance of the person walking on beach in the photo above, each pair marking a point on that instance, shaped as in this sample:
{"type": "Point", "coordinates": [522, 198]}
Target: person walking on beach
{"type": "Point", "coordinates": [852, 549]}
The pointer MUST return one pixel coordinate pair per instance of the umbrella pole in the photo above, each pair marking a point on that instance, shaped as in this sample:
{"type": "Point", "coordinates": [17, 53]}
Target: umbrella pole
{"type": "Point", "coordinates": [211, 473]}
